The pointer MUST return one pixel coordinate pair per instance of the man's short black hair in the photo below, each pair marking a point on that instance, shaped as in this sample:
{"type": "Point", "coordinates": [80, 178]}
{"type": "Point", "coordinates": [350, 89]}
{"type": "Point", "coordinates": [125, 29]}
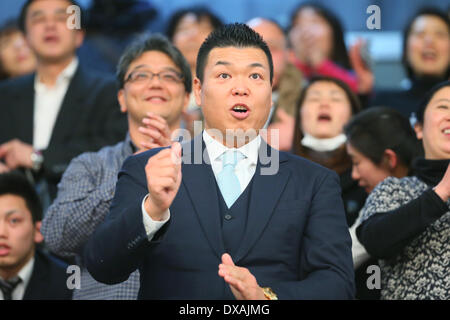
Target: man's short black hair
{"type": "Point", "coordinates": [237, 35]}
{"type": "Point", "coordinates": [23, 13]}
{"type": "Point", "coordinates": [17, 184]}
{"type": "Point", "coordinates": [155, 42]}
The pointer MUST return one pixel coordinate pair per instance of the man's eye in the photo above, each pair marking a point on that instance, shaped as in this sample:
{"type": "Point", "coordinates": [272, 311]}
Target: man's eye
{"type": "Point", "coordinates": [224, 76]}
{"type": "Point", "coordinates": [140, 76]}
{"type": "Point", "coordinates": [14, 221]}
{"type": "Point", "coordinates": [169, 77]}
{"type": "Point", "coordinates": [38, 19]}
{"type": "Point", "coordinates": [255, 76]}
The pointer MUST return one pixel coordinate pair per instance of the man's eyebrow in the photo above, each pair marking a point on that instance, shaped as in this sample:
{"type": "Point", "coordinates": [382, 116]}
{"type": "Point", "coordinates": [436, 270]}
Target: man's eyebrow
{"type": "Point", "coordinates": [252, 65]}
{"type": "Point", "coordinates": [36, 13]}
{"type": "Point", "coordinates": [169, 68]}
{"type": "Point", "coordinates": [256, 64]}
{"type": "Point", "coordinates": [442, 99]}
{"type": "Point", "coordinates": [60, 11]}
{"type": "Point", "coordinates": [11, 212]}
{"type": "Point", "coordinates": [225, 63]}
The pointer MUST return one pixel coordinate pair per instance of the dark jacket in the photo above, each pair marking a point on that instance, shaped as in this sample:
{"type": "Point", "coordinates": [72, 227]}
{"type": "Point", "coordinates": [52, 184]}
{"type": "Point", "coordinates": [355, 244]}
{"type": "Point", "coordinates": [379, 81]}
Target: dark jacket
{"type": "Point", "coordinates": [89, 118]}
{"type": "Point", "coordinates": [48, 280]}
{"type": "Point", "coordinates": [296, 239]}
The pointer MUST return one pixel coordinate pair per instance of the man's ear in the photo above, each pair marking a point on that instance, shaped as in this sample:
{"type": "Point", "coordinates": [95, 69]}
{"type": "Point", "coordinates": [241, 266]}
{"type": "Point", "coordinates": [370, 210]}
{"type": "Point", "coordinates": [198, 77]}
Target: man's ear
{"type": "Point", "coordinates": [121, 99]}
{"type": "Point", "coordinates": [198, 91]}
{"type": "Point", "coordinates": [390, 158]}
{"type": "Point", "coordinates": [186, 101]}
{"type": "Point", "coordinates": [79, 38]}
{"type": "Point", "coordinates": [418, 128]}
{"type": "Point", "coordinates": [38, 237]}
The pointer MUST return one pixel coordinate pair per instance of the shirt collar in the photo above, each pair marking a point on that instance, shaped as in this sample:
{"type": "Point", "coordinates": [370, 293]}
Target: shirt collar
{"type": "Point", "coordinates": [26, 271]}
{"type": "Point", "coordinates": [216, 149]}
{"type": "Point", "coordinates": [67, 74]}
{"type": "Point", "coordinates": [129, 145]}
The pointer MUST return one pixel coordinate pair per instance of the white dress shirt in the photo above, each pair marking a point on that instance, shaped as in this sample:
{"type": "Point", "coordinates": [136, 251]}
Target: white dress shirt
{"type": "Point", "coordinates": [25, 275]}
{"type": "Point", "coordinates": [245, 169]}
{"type": "Point", "coordinates": [47, 103]}
{"type": "Point", "coordinates": [359, 253]}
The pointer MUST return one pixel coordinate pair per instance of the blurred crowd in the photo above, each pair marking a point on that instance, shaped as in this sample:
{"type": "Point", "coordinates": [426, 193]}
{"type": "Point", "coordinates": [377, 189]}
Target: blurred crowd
{"type": "Point", "coordinates": [67, 124]}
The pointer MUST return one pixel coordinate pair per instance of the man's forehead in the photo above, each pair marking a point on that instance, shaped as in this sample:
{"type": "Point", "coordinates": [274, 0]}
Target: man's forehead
{"type": "Point", "coordinates": [153, 59]}
{"type": "Point", "coordinates": [11, 203]}
{"type": "Point", "coordinates": [238, 56]}
{"type": "Point", "coordinates": [57, 5]}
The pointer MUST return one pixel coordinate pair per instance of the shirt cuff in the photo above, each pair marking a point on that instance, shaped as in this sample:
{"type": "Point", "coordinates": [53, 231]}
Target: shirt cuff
{"type": "Point", "coordinates": [151, 226]}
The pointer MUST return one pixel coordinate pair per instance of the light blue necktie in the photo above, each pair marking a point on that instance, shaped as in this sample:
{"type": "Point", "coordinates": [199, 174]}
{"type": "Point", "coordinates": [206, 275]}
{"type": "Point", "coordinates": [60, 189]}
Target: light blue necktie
{"type": "Point", "coordinates": [226, 179]}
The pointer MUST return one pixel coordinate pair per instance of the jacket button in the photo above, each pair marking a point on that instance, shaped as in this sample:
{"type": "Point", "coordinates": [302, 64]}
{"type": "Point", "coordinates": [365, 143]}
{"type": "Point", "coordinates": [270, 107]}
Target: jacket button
{"type": "Point", "coordinates": [228, 217]}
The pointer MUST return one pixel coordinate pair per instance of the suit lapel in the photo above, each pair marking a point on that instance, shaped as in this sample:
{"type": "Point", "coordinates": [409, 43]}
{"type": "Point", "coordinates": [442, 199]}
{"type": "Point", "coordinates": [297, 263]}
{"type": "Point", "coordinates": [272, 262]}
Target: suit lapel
{"type": "Point", "coordinates": [265, 193]}
{"type": "Point", "coordinates": [71, 107]}
{"type": "Point", "coordinates": [199, 182]}
{"type": "Point", "coordinates": [37, 287]}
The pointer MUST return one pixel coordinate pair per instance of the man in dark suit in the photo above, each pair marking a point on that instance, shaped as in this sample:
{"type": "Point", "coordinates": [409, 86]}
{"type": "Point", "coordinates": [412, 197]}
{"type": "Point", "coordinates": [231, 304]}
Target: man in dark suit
{"type": "Point", "coordinates": [25, 272]}
{"type": "Point", "coordinates": [62, 110]}
{"type": "Point", "coordinates": [234, 218]}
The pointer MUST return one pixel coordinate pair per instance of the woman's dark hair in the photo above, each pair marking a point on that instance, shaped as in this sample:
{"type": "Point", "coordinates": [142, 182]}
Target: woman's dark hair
{"type": "Point", "coordinates": [7, 29]}
{"type": "Point", "coordinates": [407, 31]}
{"type": "Point", "coordinates": [200, 13]}
{"type": "Point", "coordinates": [353, 99]}
{"type": "Point", "coordinates": [339, 52]}
{"type": "Point", "coordinates": [16, 184]}
{"type": "Point", "coordinates": [376, 129]}
{"type": "Point", "coordinates": [428, 96]}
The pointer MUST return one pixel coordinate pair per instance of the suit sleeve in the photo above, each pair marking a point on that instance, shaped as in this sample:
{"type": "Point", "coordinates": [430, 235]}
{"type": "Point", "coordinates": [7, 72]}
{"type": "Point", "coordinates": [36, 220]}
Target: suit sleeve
{"type": "Point", "coordinates": [325, 258]}
{"type": "Point", "coordinates": [117, 246]}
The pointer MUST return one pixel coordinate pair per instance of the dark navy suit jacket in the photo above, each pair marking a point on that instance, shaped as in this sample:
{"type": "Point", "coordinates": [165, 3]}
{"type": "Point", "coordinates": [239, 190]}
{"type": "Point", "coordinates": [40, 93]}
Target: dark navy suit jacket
{"type": "Point", "coordinates": [296, 242]}
{"type": "Point", "coordinates": [48, 280]}
{"type": "Point", "coordinates": [89, 118]}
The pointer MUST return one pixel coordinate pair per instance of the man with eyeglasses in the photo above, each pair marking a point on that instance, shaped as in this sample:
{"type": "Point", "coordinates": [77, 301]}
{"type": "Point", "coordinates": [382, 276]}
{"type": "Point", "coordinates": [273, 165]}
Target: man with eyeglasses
{"type": "Point", "coordinates": [155, 84]}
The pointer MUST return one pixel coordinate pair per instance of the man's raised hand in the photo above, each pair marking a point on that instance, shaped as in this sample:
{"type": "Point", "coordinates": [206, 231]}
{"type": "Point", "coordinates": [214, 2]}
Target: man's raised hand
{"type": "Point", "coordinates": [163, 172]}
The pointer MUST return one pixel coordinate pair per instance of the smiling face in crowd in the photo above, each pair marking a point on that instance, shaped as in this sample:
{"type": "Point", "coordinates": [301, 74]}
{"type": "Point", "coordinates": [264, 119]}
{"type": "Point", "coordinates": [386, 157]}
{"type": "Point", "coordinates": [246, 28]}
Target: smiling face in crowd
{"type": "Point", "coordinates": [435, 130]}
{"type": "Point", "coordinates": [165, 96]}
{"type": "Point", "coordinates": [428, 46]}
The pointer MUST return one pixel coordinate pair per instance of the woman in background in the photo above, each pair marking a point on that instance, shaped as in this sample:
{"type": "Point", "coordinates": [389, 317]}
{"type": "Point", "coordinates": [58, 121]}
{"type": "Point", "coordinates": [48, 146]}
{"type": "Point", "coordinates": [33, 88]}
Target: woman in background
{"type": "Point", "coordinates": [326, 104]}
{"type": "Point", "coordinates": [426, 60]}
{"type": "Point", "coordinates": [405, 223]}
{"type": "Point", "coordinates": [16, 58]}
{"type": "Point", "coordinates": [187, 29]}
{"type": "Point", "coordinates": [381, 144]}
{"type": "Point", "coordinates": [317, 40]}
